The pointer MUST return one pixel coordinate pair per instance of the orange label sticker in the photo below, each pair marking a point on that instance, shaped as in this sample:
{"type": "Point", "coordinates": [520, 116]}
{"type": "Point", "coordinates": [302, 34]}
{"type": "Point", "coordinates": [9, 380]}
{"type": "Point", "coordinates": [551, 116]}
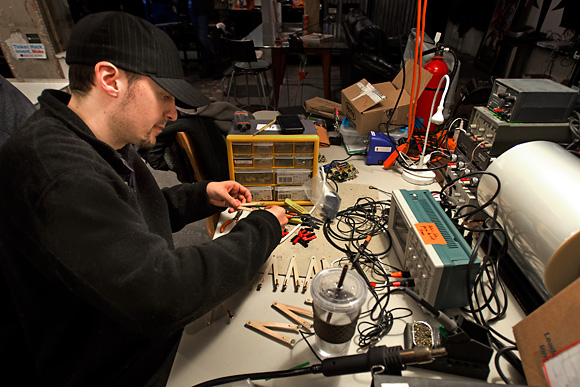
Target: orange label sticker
{"type": "Point", "coordinates": [430, 234]}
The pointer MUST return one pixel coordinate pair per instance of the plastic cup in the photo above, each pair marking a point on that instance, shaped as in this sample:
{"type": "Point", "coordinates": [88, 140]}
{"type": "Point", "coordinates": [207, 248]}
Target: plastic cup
{"type": "Point", "coordinates": [336, 310]}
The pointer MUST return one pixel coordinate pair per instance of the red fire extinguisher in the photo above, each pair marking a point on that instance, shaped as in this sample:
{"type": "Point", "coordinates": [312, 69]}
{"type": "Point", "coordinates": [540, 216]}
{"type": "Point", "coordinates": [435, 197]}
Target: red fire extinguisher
{"type": "Point", "coordinates": [438, 68]}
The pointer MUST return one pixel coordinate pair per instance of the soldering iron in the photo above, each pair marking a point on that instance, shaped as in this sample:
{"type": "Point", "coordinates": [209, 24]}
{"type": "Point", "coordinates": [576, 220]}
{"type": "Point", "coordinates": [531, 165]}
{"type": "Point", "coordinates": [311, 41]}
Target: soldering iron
{"type": "Point", "coordinates": [383, 359]}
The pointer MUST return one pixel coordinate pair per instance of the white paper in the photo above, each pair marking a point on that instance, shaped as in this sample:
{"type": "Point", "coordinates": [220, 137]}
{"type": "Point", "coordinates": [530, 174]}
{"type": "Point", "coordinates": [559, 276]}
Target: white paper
{"type": "Point", "coordinates": [273, 127]}
{"type": "Point", "coordinates": [562, 369]}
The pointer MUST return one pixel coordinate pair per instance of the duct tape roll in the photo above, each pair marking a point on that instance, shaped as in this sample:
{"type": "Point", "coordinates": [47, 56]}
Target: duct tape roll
{"type": "Point", "coordinates": [539, 208]}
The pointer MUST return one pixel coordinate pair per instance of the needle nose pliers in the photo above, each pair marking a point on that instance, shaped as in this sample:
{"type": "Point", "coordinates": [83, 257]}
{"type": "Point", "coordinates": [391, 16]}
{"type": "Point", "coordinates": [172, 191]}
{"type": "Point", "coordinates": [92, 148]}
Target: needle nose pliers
{"type": "Point", "coordinates": [234, 220]}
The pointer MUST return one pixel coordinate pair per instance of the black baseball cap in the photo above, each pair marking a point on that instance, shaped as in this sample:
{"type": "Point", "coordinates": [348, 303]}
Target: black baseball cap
{"type": "Point", "coordinates": [134, 45]}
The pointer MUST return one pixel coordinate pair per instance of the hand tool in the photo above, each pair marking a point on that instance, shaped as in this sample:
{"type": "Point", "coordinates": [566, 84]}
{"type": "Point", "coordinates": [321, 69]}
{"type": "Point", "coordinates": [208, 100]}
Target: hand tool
{"type": "Point", "coordinates": [234, 220]}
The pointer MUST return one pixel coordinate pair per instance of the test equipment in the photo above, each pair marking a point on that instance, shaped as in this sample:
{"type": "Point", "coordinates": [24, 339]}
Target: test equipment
{"type": "Point", "coordinates": [531, 100]}
{"type": "Point", "coordinates": [496, 135]}
{"type": "Point", "coordinates": [429, 246]}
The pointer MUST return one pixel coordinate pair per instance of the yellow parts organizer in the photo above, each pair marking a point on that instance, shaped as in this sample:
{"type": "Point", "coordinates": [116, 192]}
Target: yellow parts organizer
{"type": "Point", "coordinates": [271, 165]}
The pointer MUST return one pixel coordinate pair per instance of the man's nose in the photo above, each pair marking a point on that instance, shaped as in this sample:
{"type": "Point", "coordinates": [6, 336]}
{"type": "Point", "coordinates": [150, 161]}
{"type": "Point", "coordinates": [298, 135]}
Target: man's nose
{"type": "Point", "coordinates": [172, 113]}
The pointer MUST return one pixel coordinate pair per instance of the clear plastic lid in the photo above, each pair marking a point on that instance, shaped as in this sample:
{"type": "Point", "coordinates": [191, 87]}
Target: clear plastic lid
{"type": "Point", "coordinates": [326, 294]}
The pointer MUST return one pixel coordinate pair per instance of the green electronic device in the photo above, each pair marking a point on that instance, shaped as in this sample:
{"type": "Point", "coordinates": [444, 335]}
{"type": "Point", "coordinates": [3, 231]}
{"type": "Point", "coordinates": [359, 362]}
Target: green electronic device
{"type": "Point", "coordinates": [429, 246]}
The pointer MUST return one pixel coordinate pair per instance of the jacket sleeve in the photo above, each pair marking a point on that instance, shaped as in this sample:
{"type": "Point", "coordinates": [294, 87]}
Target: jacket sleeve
{"type": "Point", "coordinates": [188, 203]}
{"type": "Point", "coordinates": [100, 247]}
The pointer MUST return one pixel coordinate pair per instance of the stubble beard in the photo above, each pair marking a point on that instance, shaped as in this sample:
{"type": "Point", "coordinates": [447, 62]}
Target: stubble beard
{"type": "Point", "coordinates": [121, 124]}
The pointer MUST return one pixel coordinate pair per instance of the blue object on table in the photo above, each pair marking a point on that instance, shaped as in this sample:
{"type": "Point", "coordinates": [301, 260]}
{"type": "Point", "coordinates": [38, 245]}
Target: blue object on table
{"type": "Point", "coordinates": [380, 145]}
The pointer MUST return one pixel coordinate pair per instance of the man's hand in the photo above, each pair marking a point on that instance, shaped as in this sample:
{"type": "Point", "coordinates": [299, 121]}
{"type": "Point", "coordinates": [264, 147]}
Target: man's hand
{"type": "Point", "coordinates": [279, 213]}
{"type": "Point", "coordinates": [228, 194]}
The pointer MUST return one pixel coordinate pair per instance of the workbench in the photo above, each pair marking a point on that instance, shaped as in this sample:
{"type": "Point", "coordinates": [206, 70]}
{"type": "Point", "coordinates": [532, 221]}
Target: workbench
{"type": "Point", "coordinates": [219, 344]}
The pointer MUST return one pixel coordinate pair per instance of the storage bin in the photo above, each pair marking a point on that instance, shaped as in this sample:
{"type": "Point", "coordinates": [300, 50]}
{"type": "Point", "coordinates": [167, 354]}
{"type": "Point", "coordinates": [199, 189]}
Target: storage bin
{"type": "Point", "coordinates": [263, 161]}
{"type": "Point", "coordinates": [261, 193]}
{"type": "Point", "coordinates": [283, 160]}
{"type": "Point", "coordinates": [293, 176]}
{"type": "Point", "coordinates": [254, 176]}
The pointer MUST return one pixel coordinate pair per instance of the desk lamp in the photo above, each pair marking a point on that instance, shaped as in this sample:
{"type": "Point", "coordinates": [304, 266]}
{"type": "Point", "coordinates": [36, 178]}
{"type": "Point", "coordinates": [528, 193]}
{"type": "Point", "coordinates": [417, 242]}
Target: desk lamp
{"type": "Point", "coordinates": [420, 175]}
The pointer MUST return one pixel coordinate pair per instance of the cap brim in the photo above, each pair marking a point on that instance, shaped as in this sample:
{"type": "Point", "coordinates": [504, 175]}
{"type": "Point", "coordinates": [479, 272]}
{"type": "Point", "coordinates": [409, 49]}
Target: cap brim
{"type": "Point", "coordinates": [185, 94]}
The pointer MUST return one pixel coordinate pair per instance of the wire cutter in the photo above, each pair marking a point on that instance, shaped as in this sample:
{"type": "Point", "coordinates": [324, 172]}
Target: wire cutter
{"type": "Point", "coordinates": [234, 220]}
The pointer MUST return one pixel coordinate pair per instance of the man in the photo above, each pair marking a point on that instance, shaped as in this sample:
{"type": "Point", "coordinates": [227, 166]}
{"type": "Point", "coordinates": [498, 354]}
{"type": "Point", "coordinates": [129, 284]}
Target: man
{"type": "Point", "coordinates": [15, 108]}
{"type": "Point", "coordinates": [95, 285]}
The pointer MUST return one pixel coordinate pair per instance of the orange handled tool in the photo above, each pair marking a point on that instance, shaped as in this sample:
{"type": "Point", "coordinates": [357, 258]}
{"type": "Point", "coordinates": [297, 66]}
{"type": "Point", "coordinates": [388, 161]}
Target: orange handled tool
{"type": "Point", "coordinates": [234, 220]}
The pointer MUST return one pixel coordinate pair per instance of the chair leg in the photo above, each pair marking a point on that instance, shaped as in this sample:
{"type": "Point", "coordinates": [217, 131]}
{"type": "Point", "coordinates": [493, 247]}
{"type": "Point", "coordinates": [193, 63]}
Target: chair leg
{"type": "Point", "coordinates": [263, 92]}
{"type": "Point", "coordinates": [270, 96]}
{"type": "Point", "coordinates": [248, 88]}
{"type": "Point", "coordinates": [230, 86]}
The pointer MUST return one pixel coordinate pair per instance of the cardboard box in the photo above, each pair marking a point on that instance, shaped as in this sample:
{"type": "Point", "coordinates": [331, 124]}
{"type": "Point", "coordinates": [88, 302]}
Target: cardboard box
{"type": "Point", "coordinates": [322, 107]}
{"type": "Point", "coordinates": [549, 342]}
{"type": "Point", "coordinates": [365, 112]}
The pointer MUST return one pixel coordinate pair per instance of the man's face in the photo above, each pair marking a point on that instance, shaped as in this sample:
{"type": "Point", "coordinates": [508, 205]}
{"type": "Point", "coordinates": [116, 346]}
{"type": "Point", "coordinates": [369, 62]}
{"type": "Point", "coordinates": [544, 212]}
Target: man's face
{"type": "Point", "coordinates": [143, 112]}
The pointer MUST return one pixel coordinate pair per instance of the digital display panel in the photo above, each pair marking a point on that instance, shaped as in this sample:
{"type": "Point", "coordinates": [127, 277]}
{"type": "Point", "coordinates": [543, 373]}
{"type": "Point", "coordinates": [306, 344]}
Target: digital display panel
{"type": "Point", "coordinates": [400, 229]}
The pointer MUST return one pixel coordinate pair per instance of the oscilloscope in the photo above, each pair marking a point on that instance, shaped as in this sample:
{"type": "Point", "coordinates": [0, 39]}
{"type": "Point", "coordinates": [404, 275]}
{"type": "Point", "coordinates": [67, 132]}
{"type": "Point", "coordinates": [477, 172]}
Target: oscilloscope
{"type": "Point", "coordinates": [430, 247]}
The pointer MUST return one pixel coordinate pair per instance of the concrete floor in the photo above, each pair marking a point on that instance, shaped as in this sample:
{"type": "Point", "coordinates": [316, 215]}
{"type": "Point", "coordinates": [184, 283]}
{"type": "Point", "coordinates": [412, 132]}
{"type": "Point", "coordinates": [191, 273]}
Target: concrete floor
{"type": "Point", "coordinates": [192, 234]}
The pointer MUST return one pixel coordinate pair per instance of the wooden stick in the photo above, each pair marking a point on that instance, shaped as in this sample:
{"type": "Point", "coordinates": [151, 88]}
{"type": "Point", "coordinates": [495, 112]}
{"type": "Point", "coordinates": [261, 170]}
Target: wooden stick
{"type": "Point", "coordinates": [253, 204]}
{"type": "Point", "coordinates": [263, 327]}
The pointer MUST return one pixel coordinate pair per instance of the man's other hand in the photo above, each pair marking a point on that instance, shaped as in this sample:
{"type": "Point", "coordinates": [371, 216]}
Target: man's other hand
{"type": "Point", "coordinates": [279, 213]}
{"type": "Point", "coordinates": [228, 194]}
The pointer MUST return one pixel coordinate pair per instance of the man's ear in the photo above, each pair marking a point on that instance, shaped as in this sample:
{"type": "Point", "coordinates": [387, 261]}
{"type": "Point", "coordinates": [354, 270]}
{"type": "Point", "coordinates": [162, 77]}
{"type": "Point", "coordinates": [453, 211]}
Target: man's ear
{"type": "Point", "coordinates": [108, 78]}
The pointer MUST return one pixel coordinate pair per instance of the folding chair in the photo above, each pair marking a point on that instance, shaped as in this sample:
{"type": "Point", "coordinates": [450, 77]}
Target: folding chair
{"type": "Point", "coordinates": [244, 62]}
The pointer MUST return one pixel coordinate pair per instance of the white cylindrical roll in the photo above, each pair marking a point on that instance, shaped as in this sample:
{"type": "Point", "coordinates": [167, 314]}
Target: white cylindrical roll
{"type": "Point", "coordinates": [539, 208]}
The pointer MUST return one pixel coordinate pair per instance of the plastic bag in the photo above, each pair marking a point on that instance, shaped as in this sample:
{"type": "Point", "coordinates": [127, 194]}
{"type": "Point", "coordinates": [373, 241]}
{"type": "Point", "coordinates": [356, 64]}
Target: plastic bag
{"type": "Point", "coordinates": [325, 199]}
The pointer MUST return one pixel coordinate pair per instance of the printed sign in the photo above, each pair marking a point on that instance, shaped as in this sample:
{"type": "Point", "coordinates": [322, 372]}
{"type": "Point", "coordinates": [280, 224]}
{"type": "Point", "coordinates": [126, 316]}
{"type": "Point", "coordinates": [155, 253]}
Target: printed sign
{"type": "Point", "coordinates": [29, 51]}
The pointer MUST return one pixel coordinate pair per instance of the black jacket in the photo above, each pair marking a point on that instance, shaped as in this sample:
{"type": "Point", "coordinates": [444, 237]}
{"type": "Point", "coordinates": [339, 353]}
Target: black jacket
{"type": "Point", "coordinates": [100, 292]}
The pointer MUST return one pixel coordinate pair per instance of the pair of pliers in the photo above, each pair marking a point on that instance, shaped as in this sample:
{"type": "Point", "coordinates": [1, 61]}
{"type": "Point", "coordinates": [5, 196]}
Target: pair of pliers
{"type": "Point", "coordinates": [234, 220]}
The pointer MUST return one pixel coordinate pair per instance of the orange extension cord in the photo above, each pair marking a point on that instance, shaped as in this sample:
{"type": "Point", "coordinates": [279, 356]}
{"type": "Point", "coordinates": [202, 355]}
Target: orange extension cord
{"type": "Point", "coordinates": [421, 11]}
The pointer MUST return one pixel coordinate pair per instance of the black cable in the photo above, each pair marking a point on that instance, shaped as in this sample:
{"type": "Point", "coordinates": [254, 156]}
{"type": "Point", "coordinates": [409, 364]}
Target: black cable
{"type": "Point", "coordinates": [353, 224]}
{"type": "Point", "coordinates": [481, 207]}
{"type": "Point", "coordinates": [493, 281]}
{"type": "Point", "coordinates": [308, 343]}
{"type": "Point", "coordinates": [423, 169]}
{"type": "Point", "coordinates": [314, 369]}
{"type": "Point", "coordinates": [498, 355]}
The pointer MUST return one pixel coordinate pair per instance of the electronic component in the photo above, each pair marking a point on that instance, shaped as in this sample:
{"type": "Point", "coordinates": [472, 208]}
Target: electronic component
{"type": "Point", "coordinates": [496, 135]}
{"type": "Point", "coordinates": [469, 158]}
{"type": "Point", "coordinates": [429, 246]}
{"type": "Point", "coordinates": [380, 145]}
{"type": "Point", "coordinates": [531, 100]}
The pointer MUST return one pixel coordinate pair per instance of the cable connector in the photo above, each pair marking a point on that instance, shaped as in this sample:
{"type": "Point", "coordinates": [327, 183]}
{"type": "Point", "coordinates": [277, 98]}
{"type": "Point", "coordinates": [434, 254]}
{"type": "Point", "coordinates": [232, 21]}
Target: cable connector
{"type": "Point", "coordinates": [400, 274]}
{"type": "Point", "coordinates": [408, 283]}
